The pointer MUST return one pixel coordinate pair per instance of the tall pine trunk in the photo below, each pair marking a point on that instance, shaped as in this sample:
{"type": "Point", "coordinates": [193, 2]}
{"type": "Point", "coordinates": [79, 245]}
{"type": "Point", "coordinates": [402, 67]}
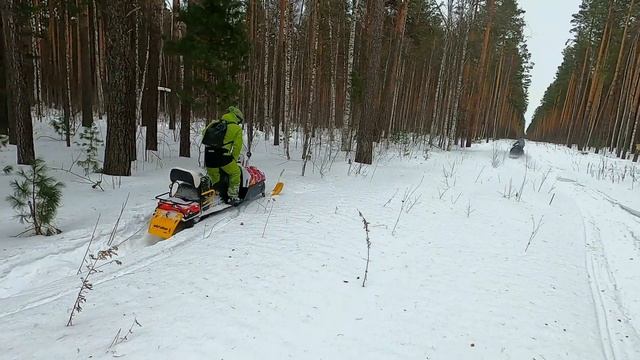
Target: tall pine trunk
{"type": "Point", "coordinates": [99, 60]}
{"type": "Point", "coordinates": [372, 54]}
{"type": "Point", "coordinates": [4, 115]}
{"type": "Point", "coordinates": [390, 85]}
{"type": "Point", "coordinates": [481, 82]}
{"type": "Point", "coordinates": [185, 110]}
{"type": "Point", "coordinates": [150, 95]}
{"type": "Point", "coordinates": [313, 71]}
{"type": "Point", "coordinates": [278, 76]}
{"type": "Point", "coordinates": [66, 97]}
{"type": "Point", "coordinates": [287, 78]}
{"type": "Point", "coordinates": [174, 68]}
{"type": "Point", "coordinates": [19, 109]}
{"type": "Point", "coordinates": [120, 82]}
{"type": "Point", "coordinates": [85, 65]}
{"type": "Point", "coordinates": [346, 119]}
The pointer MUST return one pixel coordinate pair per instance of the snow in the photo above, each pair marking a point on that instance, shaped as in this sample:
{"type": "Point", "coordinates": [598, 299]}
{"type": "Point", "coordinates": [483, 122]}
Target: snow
{"type": "Point", "coordinates": [282, 277]}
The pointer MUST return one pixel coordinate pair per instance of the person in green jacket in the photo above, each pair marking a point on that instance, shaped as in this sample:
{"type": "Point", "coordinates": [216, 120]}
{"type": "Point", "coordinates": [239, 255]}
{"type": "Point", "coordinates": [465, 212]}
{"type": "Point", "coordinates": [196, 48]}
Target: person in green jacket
{"type": "Point", "coordinates": [224, 155]}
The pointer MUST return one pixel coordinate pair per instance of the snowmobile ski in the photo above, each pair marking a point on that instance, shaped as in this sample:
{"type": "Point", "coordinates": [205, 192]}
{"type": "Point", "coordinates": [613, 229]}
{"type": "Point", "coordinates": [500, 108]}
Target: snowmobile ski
{"type": "Point", "coordinates": [277, 189]}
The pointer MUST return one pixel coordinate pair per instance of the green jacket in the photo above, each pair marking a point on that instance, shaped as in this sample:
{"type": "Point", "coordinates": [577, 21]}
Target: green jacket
{"type": "Point", "coordinates": [233, 137]}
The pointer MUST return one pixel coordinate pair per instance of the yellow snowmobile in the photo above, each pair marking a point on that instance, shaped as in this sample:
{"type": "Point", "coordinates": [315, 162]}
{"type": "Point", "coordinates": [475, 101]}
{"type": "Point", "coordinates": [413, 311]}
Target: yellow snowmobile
{"type": "Point", "coordinates": [191, 198]}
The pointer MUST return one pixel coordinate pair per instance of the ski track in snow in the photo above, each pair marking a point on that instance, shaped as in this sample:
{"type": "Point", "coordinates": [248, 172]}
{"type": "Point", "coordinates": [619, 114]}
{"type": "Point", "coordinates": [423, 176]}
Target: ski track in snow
{"type": "Point", "coordinates": [618, 330]}
{"type": "Point", "coordinates": [53, 291]}
{"type": "Point", "coordinates": [620, 337]}
{"type": "Point", "coordinates": [281, 278]}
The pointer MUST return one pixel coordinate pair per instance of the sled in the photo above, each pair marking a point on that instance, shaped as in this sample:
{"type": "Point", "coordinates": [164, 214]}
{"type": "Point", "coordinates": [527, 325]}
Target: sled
{"type": "Point", "coordinates": [190, 199]}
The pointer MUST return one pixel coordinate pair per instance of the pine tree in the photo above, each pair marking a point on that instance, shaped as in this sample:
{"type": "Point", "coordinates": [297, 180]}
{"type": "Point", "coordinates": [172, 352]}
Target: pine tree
{"type": "Point", "coordinates": [61, 127]}
{"type": "Point", "coordinates": [89, 142]}
{"type": "Point", "coordinates": [7, 170]}
{"type": "Point", "coordinates": [119, 99]}
{"type": "Point", "coordinates": [16, 15]}
{"type": "Point", "coordinates": [150, 94]}
{"type": "Point", "coordinates": [36, 198]}
{"type": "Point", "coordinates": [373, 45]}
{"type": "Point", "coordinates": [453, 70]}
{"type": "Point", "coordinates": [4, 114]}
{"type": "Point", "coordinates": [594, 99]}
{"type": "Point", "coordinates": [216, 46]}
{"type": "Point", "coordinates": [85, 66]}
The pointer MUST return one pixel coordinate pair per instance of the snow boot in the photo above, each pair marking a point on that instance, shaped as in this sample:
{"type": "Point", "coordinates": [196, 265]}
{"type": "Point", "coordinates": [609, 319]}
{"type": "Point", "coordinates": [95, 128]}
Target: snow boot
{"type": "Point", "coordinates": [234, 201]}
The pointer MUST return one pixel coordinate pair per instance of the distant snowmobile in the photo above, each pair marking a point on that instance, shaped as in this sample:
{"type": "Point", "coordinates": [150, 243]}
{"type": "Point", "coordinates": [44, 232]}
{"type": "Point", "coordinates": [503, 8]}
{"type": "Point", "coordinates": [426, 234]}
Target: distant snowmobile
{"type": "Point", "coordinates": [517, 150]}
{"type": "Point", "coordinates": [191, 198]}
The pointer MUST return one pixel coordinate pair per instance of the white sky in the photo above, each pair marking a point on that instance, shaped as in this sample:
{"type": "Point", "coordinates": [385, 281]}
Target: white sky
{"type": "Point", "coordinates": [548, 24]}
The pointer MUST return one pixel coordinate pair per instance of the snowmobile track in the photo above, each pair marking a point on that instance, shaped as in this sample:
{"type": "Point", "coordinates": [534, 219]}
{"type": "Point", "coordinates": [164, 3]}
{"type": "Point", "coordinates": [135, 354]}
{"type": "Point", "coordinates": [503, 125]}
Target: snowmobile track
{"type": "Point", "coordinates": [600, 309]}
{"type": "Point", "coordinates": [620, 339]}
{"type": "Point", "coordinates": [174, 246]}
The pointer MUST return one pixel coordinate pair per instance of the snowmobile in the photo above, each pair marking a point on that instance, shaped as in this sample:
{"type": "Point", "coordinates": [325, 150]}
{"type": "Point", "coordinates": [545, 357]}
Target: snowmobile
{"type": "Point", "coordinates": [517, 149]}
{"type": "Point", "coordinates": [191, 198]}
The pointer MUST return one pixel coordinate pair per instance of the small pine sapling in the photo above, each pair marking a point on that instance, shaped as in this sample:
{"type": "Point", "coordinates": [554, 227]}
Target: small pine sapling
{"type": "Point", "coordinates": [7, 170]}
{"type": "Point", "coordinates": [36, 198]}
{"type": "Point", "coordinates": [89, 142]}
{"type": "Point", "coordinates": [60, 127]}
{"type": "Point", "coordinates": [4, 141]}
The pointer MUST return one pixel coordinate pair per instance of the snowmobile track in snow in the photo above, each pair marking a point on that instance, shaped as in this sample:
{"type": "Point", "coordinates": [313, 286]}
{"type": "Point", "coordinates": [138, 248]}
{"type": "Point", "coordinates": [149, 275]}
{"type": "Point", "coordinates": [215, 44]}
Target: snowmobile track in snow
{"type": "Point", "coordinates": [620, 339]}
{"type": "Point", "coordinates": [174, 245]}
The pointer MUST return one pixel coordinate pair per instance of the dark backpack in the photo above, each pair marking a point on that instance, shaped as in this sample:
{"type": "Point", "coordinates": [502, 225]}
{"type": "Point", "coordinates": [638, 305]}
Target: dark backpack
{"type": "Point", "coordinates": [215, 155]}
{"type": "Point", "coordinates": [214, 136]}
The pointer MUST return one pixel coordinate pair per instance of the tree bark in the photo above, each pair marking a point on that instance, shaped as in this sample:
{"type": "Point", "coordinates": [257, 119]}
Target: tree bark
{"type": "Point", "coordinates": [390, 85]}
{"type": "Point", "coordinates": [150, 95]}
{"type": "Point", "coordinates": [18, 98]}
{"type": "Point", "coordinates": [265, 80]}
{"type": "Point", "coordinates": [120, 81]}
{"type": "Point", "coordinates": [185, 110]}
{"type": "Point", "coordinates": [313, 71]}
{"type": "Point", "coordinates": [99, 63]}
{"type": "Point", "coordinates": [4, 115]}
{"type": "Point", "coordinates": [373, 49]}
{"type": "Point", "coordinates": [66, 97]}
{"type": "Point", "coordinates": [481, 78]}
{"type": "Point", "coordinates": [288, 35]}
{"type": "Point", "coordinates": [85, 65]}
{"type": "Point", "coordinates": [278, 76]}
{"type": "Point", "coordinates": [346, 119]}
{"type": "Point", "coordinates": [174, 69]}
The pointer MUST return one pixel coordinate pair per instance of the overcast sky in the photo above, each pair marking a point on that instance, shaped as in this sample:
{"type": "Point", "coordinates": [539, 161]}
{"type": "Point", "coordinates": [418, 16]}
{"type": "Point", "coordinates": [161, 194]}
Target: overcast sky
{"type": "Point", "coordinates": [548, 24]}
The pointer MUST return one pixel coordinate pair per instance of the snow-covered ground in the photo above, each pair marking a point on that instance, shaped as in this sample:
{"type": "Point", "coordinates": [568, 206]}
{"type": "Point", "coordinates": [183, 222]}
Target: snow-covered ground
{"type": "Point", "coordinates": [281, 278]}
